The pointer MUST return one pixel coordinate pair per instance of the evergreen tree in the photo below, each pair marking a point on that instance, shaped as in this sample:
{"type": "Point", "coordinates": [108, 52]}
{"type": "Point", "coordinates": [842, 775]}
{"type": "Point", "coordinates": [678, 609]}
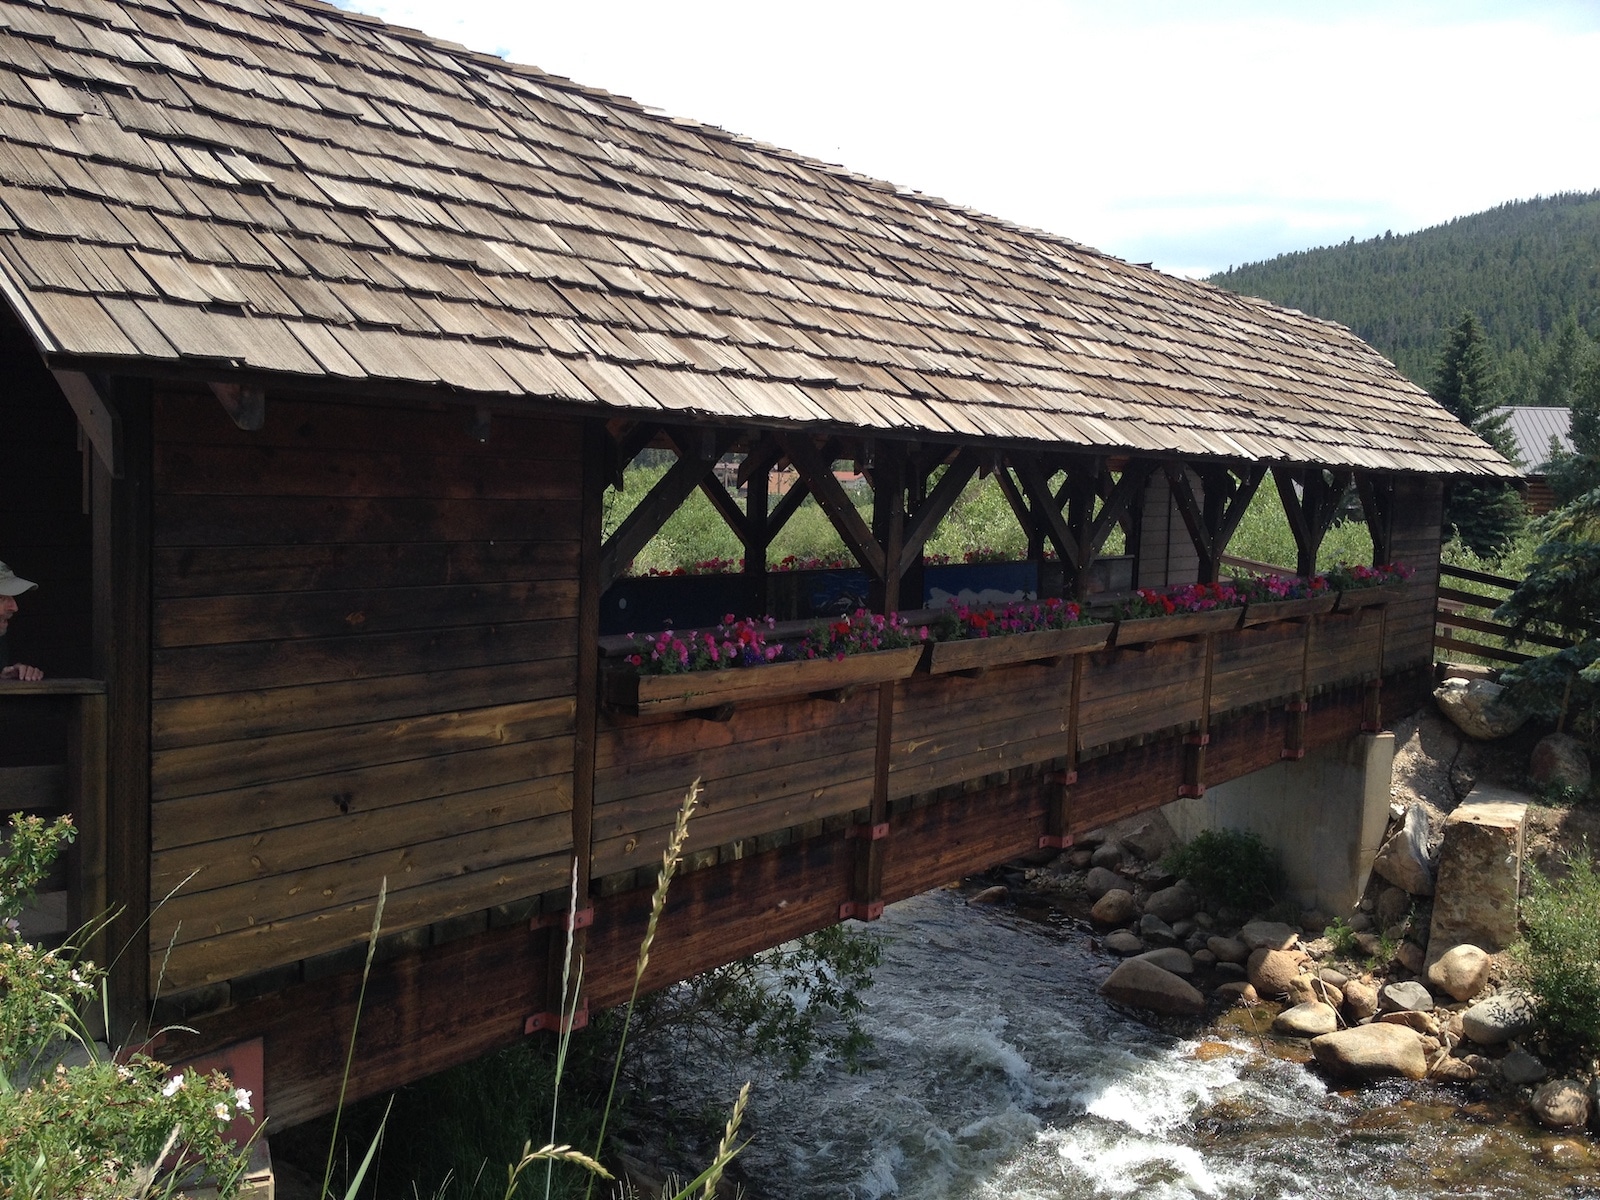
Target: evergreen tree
{"type": "Point", "coordinates": [1486, 516]}
{"type": "Point", "coordinates": [1571, 475]}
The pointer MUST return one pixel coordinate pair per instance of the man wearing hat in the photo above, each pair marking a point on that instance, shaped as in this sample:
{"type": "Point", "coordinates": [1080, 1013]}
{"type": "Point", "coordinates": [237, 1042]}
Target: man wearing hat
{"type": "Point", "coordinates": [12, 586]}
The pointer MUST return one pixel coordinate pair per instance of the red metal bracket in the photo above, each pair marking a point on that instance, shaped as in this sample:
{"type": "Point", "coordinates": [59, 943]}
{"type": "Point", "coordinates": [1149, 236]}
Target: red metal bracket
{"type": "Point", "coordinates": [1055, 841]}
{"type": "Point", "coordinates": [1191, 789]}
{"type": "Point", "coordinates": [581, 919]}
{"type": "Point", "coordinates": [553, 1021]}
{"type": "Point", "coordinates": [868, 833]}
{"type": "Point", "coordinates": [861, 910]}
{"type": "Point", "coordinates": [1197, 739]}
{"type": "Point", "coordinates": [1064, 778]}
{"type": "Point", "coordinates": [1292, 755]}
{"type": "Point", "coordinates": [1297, 706]}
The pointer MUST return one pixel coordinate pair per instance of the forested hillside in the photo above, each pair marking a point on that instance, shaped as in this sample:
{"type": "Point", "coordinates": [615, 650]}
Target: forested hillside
{"type": "Point", "coordinates": [1526, 269]}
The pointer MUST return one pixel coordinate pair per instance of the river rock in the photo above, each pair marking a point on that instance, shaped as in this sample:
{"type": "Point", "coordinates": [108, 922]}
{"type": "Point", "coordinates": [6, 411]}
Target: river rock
{"type": "Point", "coordinates": [1422, 1022]}
{"type": "Point", "coordinates": [1409, 996]}
{"type": "Point", "coordinates": [1204, 960]}
{"type": "Point", "coordinates": [1370, 944]}
{"type": "Point", "coordinates": [1271, 970]}
{"type": "Point", "coordinates": [1372, 1052]}
{"type": "Point", "coordinates": [1360, 999]}
{"type": "Point", "coordinates": [1519, 1068]}
{"type": "Point", "coordinates": [1173, 903]}
{"type": "Point", "coordinates": [1480, 871]}
{"type": "Point", "coordinates": [1237, 991]}
{"type": "Point", "coordinates": [1124, 942]}
{"type": "Point", "coordinates": [1228, 950]}
{"type": "Point", "coordinates": [1230, 971]}
{"type": "Point", "coordinates": [1559, 760]}
{"type": "Point", "coordinates": [1099, 881]}
{"type": "Point", "coordinates": [1156, 931]}
{"type": "Point", "coordinates": [1453, 1070]}
{"type": "Point", "coordinates": [1107, 854]}
{"type": "Point", "coordinates": [1306, 989]}
{"type": "Point", "coordinates": [1311, 1019]}
{"type": "Point", "coordinates": [1499, 1018]}
{"type": "Point", "coordinates": [998, 894]}
{"type": "Point", "coordinates": [1404, 859]}
{"type": "Point", "coordinates": [1360, 922]}
{"type": "Point", "coordinates": [1561, 1104]}
{"type": "Point", "coordinates": [1169, 958]}
{"type": "Point", "coordinates": [1079, 860]}
{"type": "Point", "coordinates": [1393, 905]}
{"type": "Point", "coordinates": [1410, 956]}
{"type": "Point", "coordinates": [1144, 985]}
{"type": "Point", "coordinates": [1337, 978]}
{"type": "Point", "coordinates": [1462, 971]}
{"type": "Point", "coordinates": [1478, 708]}
{"type": "Point", "coordinates": [1151, 840]}
{"type": "Point", "coordinates": [1116, 907]}
{"type": "Point", "coordinates": [1271, 935]}
{"type": "Point", "coordinates": [1196, 942]}
{"type": "Point", "coordinates": [1185, 928]}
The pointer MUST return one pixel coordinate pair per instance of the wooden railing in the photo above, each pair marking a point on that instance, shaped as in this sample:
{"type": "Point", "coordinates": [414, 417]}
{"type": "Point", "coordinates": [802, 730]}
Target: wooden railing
{"type": "Point", "coordinates": [1455, 602]}
{"type": "Point", "coordinates": [53, 763]}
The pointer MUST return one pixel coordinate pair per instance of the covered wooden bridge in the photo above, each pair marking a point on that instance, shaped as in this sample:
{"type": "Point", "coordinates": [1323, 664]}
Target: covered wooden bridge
{"type": "Point", "coordinates": [321, 342]}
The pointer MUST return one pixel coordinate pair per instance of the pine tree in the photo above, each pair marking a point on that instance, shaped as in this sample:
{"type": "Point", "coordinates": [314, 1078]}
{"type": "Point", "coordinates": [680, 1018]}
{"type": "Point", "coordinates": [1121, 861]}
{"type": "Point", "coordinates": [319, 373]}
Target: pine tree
{"type": "Point", "coordinates": [1485, 516]}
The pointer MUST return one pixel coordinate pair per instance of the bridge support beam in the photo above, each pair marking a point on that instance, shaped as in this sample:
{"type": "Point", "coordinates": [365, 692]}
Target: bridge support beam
{"type": "Point", "coordinates": [1324, 814]}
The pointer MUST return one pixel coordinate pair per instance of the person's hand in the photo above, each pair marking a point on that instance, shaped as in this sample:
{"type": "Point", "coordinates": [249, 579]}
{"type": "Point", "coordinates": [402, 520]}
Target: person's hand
{"type": "Point", "coordinates": [23, 672]}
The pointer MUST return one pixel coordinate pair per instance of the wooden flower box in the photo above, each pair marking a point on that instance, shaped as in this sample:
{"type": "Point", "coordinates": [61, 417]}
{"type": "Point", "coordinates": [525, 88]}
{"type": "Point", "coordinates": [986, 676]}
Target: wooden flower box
{"type": "Point", "coordinates": [1142, 630]}
{"type": "Point", "coordinates": [1367, 597]}
{"type": "Point", "coordinates": [625, 689]}
{"type": "Point", "coordinates": [976, 654]}
{"type": "Point", "coordinates": [1265, 611]}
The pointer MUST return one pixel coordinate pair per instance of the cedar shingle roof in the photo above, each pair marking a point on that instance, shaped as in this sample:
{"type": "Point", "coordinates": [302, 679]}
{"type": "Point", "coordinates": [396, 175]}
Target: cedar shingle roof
{"type": "Point", "coordinates": [278, 186]}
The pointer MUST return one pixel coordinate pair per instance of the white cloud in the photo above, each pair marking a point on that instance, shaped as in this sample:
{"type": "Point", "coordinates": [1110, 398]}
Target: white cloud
{"type": "Point", "coordinates": [1140, 128]}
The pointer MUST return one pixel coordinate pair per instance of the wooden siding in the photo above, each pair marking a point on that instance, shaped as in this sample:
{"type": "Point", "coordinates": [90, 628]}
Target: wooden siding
{"type": "Point", "coordinates": [363, 666]}
{"type": "Point", "coordinates": [1418, 510]}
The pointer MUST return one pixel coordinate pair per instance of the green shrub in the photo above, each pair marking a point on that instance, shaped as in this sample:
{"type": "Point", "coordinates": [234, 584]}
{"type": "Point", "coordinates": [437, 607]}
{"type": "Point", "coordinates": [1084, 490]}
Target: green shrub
{"type": "Point", "coordinates": [1558, 957]}
{"type": "Point", "coordinates": [1230, 867]}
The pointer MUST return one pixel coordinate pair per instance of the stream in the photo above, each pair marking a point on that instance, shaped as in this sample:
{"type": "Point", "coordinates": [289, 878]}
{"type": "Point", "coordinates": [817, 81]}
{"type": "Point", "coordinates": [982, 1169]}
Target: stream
{"type": "Point", "coordinates": [998, 1071]}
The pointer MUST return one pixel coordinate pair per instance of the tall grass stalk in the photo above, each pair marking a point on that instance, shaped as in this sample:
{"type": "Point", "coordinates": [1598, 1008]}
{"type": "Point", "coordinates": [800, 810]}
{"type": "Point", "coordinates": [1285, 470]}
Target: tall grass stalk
{"type": "Point", "coordinates": [568, 1011]}
{"type": "Point", "coordinates": [670, 860]}
{"type": "Point", "coordinates": [349, 1059]}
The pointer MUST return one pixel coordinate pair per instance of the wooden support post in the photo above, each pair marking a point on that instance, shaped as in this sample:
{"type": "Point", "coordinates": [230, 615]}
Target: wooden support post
{"type": "Point", "coordinates": [1312, 510]}
{"type": "Point", "coordinates": [1194, 744]}
{"type": "Point", "coordinates": [757, 503]}
{"type": "Point", "coordinates": [1058, 820]}
{"type": "Point", "coordinates": [817, 470]}
{"type": "Point", "coordinates": [889, 513]}
{"type": "Point", "coordinates": [1377, 505]}
{"type": "Point", "coordinates": [121, 566]}
{"type": "Point", "coordinates": [86, 800]}
{"type": "Point", "coordinates": [1294, 738]}
{"type": "Point", "coordinates": [1372, 692]}
{"type": "Point", "coordinates": [646, 520]}
{"type": "Point", "coordinates": [586, 687]}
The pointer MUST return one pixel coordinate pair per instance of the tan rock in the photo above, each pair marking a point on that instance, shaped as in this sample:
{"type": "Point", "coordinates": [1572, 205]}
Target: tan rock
{"type": "Point", "coordinates": [1145, 985]}
{"type": "Point", "coordinates": [1306, 1020]}
{"type": "Point", "coordinates": [1453, 1070]}
{"type": "Point", "coordinates": [1228, 949]}
{"type": "Point", "coordinates": [1422, 1022]}
{"type": "Point", "coordinates": [1360, 999]}
{"type": "Point", "coordinates": [1237, 991]}
{"type": "Point", "coordinates": [1116, 907]}
{"type": "Point", "coordinates": [1306, 989]}
{"type": "Point", "coordinates": [1271, 970]}
{"type": "Point", "coordinates": [1372, 1052]}
{"type": "Point", "coordinates": [1410, 956]}
{"type": "Point", "coordinates": [1561, 1104]}
{"type": "Point", "coordinates": [1462, 971]}
{"type": "Point", "coordinates": [1480, 872]}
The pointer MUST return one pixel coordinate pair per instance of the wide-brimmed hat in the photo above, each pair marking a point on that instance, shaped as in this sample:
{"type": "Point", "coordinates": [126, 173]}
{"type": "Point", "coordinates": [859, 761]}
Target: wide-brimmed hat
{"type": "Point", "coordinates": [12, 584]}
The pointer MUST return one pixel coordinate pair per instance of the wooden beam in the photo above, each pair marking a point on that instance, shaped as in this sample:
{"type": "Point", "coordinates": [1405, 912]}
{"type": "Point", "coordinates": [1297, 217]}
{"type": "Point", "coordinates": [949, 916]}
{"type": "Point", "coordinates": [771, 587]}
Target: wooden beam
{"type": "Point", "coordinates": [760, 460]}
{"type": "Point", "coordinates": [1042, 505]}
{"type": "Point", "coordinates": [1118, 501]}
{"type": "Point", "coordinates": [1019, 506]}
{"type": "Point", "coordinates": [1189, 509]}
{"type": "Point", "coordinates": [97, 416]}
{"type": "Point", "coordinates": [246, 406]}
{"type": "Point", "coordinates": [938, 504]}
{"type": "Point", "coordinates": [625, 448]}
{"type": "Point", "coordinates": [788, 504]}
{"type": "Point", "coordinates": [646, 520]}
{"type": "Point", "coordinates": [817, 471]}
{"type": "Point", "coordinates": [1249, 484]}
{"type": "Point", "coordinates": [1377, 505]}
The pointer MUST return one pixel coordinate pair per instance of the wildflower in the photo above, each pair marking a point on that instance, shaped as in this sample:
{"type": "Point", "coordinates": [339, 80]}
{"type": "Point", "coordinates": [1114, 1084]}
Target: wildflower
{"type": "Point", "coordinates": [222, 1112]}
{"type": "Point", "coordinates": [173, 1085]}
{"type": "Point", "coordinates": [241, 1099]}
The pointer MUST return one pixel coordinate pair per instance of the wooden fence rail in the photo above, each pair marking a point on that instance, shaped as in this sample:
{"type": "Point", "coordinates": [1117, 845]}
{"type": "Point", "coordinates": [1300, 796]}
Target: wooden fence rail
{"type": "Point", "coordinates": [1451, 615]}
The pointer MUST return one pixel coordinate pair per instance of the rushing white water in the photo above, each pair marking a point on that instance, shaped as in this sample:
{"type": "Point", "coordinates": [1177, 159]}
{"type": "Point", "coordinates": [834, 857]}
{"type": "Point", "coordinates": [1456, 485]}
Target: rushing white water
{"type": "Point", "coordinates": [999, 1071]}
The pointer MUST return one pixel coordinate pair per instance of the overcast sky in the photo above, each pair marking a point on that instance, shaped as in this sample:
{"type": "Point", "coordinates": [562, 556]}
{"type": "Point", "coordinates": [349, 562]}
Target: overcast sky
{"type": "Point", "coordinates": [1196, 135]}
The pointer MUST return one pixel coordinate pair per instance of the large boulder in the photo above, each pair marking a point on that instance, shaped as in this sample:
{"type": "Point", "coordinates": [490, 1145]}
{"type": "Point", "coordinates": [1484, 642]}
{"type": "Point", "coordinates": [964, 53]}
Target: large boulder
{"type": "Point", "coordinates": [1311, 1019]}
{"type": "Point", "coordinates": [1480, 872]}
{"type": "Point", "coordinates": [1372, 1052]}
{"type": "Point", "coordinates": [1272, 935]}
{"type": "Point", "coordinates": [1174, 903]}
{"type": "Point", "coordinates": [1478, 708]}
{"type": "Point", "coordinates": [1559, 760]}
{"type": "Point", "coordinates": [1169, 958]}
{"type": "Point", "coordinates": [1462, 971]}
{"type": "Point", "coordinates": [1271, 971]}
{"type": "Point", "coordinates": [1561, 1104]}
{"type": "Point", "coordinates": [1409, 996]}
{"type": "Point", "coordinates": [1101, 880]}
{"type": "Point", "coordinates": [1498, 1019]}
{"type": "Point", "coordinates": [1228, 949]}
{"type": "Point", "coordinates": [1140, 984]}
{"type": "Point", "coordinates": [1123, 942]}
{"type": "Point", "coordinates": [1107, 854]}
{"type": "Point", "coordinates": [1405, 860]}
{"type": "Point", "coordinates": [1519, 1068]}
{"type": "Point", "coordinates": [1116, 907]}
{"type": "Point", "coordinates": [1360, 999]}
{"type": "Point", "coordinates": [1156, 931]}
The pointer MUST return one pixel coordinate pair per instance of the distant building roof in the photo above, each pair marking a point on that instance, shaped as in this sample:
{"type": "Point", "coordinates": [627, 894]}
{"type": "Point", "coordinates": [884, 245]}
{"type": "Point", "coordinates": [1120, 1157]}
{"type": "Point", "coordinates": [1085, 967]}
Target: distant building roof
{"type": "Point", "coordinates": [1533, 428]}
{"type": "Point", "coordinates": [283, 188]}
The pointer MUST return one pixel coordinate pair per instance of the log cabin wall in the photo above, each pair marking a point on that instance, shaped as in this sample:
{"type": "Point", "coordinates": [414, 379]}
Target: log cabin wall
{"type": "Point", "coordinates": [1166, 551]}
{"type": "Point", "coordinates": [363, 666]}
